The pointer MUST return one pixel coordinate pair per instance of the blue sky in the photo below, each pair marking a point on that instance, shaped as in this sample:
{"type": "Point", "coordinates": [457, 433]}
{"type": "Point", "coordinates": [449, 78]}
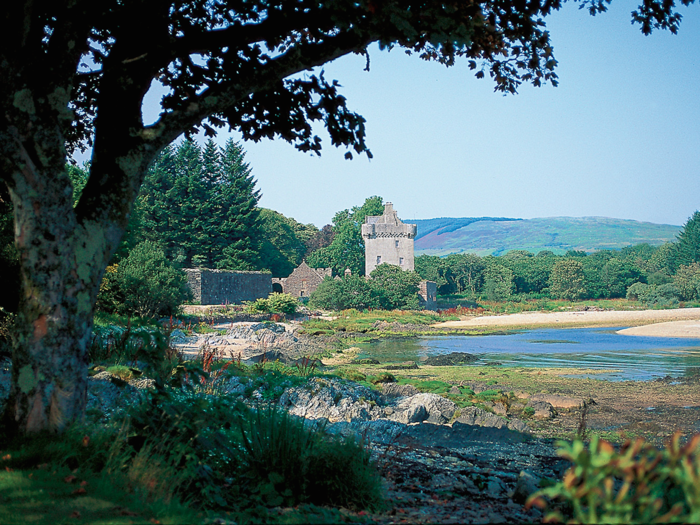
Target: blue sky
{"type": "Point", "coordinates": [619, 137]}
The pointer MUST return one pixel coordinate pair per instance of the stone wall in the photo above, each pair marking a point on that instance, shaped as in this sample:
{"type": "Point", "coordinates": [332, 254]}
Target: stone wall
{"type": "Point", "coordinates": [227, 287]}
{"type": "Point", "coordinates": [427, 294]}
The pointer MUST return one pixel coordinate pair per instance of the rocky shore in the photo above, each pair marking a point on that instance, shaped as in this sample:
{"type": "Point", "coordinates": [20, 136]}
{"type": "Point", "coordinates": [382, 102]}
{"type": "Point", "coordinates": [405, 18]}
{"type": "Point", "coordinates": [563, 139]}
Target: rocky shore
{"type": "Point", "coordinates": [440, 462]}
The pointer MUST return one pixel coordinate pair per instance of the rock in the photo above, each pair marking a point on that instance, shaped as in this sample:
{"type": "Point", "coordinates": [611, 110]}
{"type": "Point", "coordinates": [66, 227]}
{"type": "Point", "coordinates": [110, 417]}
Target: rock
{"type": "Point", "coordinates": [178, 335]}
{"type": "Point", "coordinates": [414, 414]}
{"type": "Point", "coordinates": [396, 390]}
{"type": "Point", "coordinates": [480, 417]}
{"type": "Point", "coordinates": [452, 359]}
{"type": "Point", "coordinates": [272, 327]}
{"type": "Point", "coordinates": [558, 401]}
{"type": "Point", "coordinates": [424, 407]}
{"type": "Point", "coordinates": [495, 488]}
{"type": "Point", "coordinates": [543, 410]}
{"type": "Point", "coordinates": [455, 390]}
{"type": "Point", "coordinates": [518, 425]}
{"type": "Point", "coordinates": [408, 365]}
{"type": "Point", "coordinates": [526, 484]}
{"type": "Point", "coordinates": [332, 399]}
{"type": "Point", "coordinates": [500, 409]}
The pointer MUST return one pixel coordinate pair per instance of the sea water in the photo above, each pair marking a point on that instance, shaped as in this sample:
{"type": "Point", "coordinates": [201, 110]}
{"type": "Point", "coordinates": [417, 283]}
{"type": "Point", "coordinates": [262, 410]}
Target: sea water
{"type": "Point", "coordinates": [615, 357]}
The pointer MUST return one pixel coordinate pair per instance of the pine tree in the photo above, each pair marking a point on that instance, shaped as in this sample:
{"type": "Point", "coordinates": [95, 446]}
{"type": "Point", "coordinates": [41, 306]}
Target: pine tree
{"type": "Point", "coordinates": [688, 247]}
{"type": "Point", "coordinates": [237, 198]}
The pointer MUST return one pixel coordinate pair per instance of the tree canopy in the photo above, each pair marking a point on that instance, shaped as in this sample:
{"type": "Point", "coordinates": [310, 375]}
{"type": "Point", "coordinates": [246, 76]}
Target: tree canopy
{"type": "Point", "coordinates": [75, 74]}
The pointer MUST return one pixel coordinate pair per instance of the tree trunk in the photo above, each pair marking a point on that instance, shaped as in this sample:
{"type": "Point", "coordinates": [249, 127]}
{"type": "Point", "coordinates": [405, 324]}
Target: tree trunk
{"type": "Point", "coordinates": [62, 261]}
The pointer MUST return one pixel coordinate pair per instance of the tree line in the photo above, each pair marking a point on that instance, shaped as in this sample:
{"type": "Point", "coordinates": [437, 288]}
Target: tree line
{"type": "Point", "coordinates": [668, 272]}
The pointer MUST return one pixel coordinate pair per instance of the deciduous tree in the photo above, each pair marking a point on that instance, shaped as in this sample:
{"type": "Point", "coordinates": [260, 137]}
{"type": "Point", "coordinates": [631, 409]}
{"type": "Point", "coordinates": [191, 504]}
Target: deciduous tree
{"type": "Point", "coordinates": [74, 74]}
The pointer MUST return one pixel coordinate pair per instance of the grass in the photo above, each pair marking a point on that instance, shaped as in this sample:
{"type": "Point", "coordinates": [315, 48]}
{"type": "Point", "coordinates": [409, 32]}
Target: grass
{"type": "Point", "coordinates": [363, 322]}
{"type": "Point", "coordinates": [44, 496]}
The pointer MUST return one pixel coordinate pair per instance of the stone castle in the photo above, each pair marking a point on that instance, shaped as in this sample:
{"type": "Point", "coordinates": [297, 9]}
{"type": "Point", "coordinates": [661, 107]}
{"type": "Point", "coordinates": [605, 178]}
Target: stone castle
{"type": "Point", "coordinates": [388, 240]}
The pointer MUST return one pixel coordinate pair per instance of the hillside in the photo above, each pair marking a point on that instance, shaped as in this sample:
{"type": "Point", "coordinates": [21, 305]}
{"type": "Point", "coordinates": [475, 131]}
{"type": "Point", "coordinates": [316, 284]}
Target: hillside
{"type": "Point", "coordinates": [498, 235]}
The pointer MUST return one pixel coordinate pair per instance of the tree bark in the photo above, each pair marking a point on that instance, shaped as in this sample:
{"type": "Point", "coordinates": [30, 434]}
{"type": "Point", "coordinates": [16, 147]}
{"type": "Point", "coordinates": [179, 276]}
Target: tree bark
{"type": "Point", "coordinates": [61, 261]}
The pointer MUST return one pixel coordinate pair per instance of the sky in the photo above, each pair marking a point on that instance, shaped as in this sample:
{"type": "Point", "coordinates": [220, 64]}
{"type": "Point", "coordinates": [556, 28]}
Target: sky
{"type": "Point", "coordinates": [619, 137]}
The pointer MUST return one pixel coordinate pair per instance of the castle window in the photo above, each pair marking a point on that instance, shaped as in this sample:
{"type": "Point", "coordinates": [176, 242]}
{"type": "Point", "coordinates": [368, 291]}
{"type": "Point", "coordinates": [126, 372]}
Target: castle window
{"type": "Point", "coordinates": [397, 243]}
{"type": "Point", "coordinates": [400, 259]}
{"type": "Point", "coordinates": [379, 259]}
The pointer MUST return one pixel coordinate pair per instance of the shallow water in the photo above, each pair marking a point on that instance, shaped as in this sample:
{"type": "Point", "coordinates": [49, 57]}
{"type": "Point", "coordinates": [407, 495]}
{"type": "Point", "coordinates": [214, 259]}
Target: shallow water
{"type": "Point", "coordinates": [620, 357]}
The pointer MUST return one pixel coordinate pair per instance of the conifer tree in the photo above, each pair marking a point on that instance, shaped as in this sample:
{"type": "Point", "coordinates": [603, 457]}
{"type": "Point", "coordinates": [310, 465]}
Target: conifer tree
{"type": "Point", "coordinates": [688, 247]}
{"type": "Point", "coordinates": [238, 199]}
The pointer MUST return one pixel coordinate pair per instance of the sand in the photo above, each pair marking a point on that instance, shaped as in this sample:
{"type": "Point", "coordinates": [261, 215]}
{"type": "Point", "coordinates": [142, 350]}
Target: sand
{"type": "Point", "coordinates": [681, 322]}
{"type": "Point", "coordinates": [669, 329]}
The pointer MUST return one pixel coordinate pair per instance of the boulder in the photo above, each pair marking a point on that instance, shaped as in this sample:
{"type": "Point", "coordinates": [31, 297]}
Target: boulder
{"type": "Point", "coordinates": [423, 407]}
{"type": "Point", "coordinates": [392, 390]}
{"type": "Point", "coordinates": [480, 417]}
{"type": "Point", "coordinates": [543, 410]}
{"type": "Point", "coordinates": [332, 399]}
{"type": "Point", "coordinates": [558, 401]}
{"type": "Point", "coordinates": [526, 485]}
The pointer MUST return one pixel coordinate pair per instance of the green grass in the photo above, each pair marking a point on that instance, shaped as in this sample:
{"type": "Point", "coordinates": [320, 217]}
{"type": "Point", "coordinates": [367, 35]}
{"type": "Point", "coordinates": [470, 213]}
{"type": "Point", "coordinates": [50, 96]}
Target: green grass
{"type": "Point", "coordinates": [521, 304]}
{"type": "Point", "coordinates": [362, 322]}
{"type": "Point", "coordinates": [43, 496]}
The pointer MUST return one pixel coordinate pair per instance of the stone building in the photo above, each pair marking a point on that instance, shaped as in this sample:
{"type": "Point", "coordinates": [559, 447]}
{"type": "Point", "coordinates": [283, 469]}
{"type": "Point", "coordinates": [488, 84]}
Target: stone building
{"type": "Point", "coordinates": [227, 287]}
{"type": "Point", "coordinates": [388, 240]}
{"type": "Point", "coordinates": [302, 282]}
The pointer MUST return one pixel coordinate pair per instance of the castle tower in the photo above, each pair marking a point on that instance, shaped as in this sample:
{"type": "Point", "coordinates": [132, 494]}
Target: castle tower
{"type": "Point", "coordinates": [388, 240]}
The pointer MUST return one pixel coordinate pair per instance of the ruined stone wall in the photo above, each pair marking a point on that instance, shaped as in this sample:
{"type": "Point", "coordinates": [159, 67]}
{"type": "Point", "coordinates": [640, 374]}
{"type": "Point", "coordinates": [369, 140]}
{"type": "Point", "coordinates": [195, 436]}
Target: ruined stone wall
{"type": "Point", "coordinates": [427, 294]}
{"type": "Point", "coordinates": [227, 287]}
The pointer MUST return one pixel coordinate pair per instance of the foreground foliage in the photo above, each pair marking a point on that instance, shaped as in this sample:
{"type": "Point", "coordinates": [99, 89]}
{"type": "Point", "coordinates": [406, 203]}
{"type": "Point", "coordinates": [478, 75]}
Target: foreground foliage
{"type": "Point", "coordinates": [636, 484]}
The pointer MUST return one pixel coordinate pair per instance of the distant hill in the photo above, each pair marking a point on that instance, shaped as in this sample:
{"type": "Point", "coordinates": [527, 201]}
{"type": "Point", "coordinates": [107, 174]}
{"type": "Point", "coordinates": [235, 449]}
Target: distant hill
{"type": "Point", "coordinates": [498, 235]}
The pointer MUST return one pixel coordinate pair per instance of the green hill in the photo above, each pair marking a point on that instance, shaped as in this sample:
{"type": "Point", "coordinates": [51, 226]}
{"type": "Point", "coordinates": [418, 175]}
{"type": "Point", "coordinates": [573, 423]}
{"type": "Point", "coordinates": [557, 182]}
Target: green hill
{"type": "Point", "coordinates": [498, 235]}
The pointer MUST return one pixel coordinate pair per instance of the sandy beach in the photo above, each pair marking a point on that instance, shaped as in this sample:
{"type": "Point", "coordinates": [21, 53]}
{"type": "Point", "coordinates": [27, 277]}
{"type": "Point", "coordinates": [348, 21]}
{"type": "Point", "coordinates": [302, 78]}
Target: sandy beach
{"type": "Point", "coordinates": [681, 322]}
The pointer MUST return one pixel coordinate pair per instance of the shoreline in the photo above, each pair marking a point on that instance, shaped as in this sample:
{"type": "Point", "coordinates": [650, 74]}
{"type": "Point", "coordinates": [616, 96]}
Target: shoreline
{"type": "Point", "coordinates": [679, 322]}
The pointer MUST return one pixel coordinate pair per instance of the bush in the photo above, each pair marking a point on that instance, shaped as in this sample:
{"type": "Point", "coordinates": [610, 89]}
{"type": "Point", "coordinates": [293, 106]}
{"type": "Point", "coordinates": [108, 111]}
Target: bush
{"type": "Point", "coordinates": [237, 457]}
{"type": "Point", "coordinates": [276, 303]}
{"type": "Point", "coordinates": [638, 484]}
{"type": "Point", "coordinates": [282, 303]}
{"type": "Point", "coordinates": [144, 284]}
{"type": "Point", "coordinates": [352, 291]}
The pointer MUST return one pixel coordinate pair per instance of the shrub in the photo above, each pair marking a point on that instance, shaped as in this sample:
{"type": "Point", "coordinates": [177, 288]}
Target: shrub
{"type": "Point", "coordinates": [282, 303]}
{"type": "Point", "coordinates": [276, 303]}
{"type": "Point", "coordinates": [286, 462]}
{"type": "Point", "coordinates": [144, 284]}
{"type": "Point", "coordinates": [237, 457]}
{"type": "Point", "coordinates": [638, 484]}
{"type": "Point", "coordinates": [352, 291]}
